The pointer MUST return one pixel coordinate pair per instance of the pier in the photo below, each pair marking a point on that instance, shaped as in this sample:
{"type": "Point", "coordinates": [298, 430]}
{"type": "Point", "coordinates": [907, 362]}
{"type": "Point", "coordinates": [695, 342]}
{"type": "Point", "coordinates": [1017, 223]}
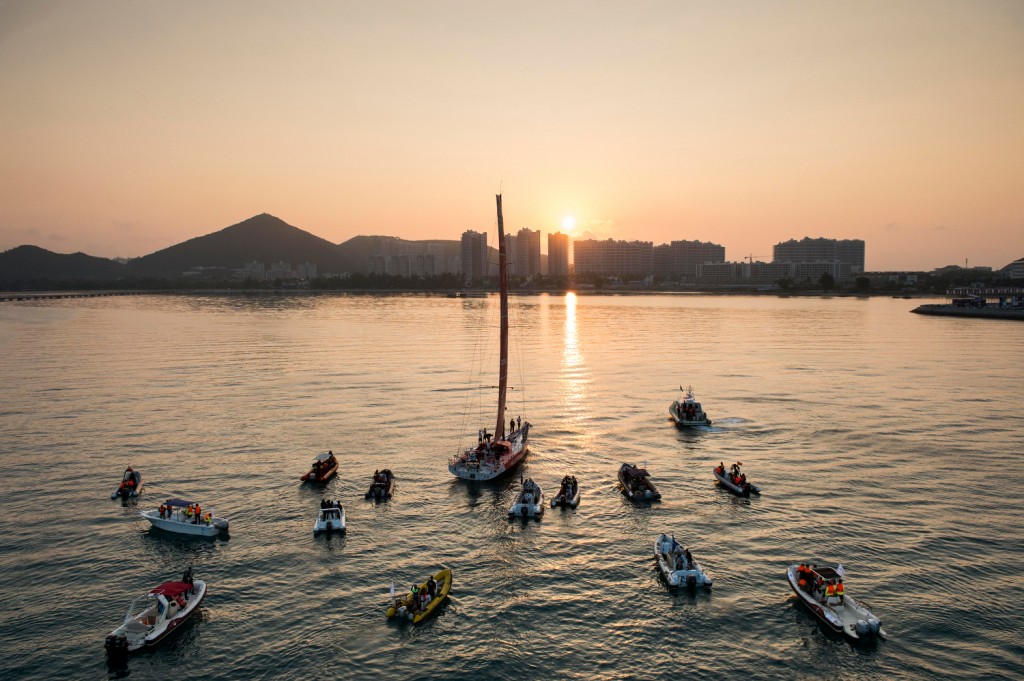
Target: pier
{"type": "Point", "coordinates": [980, 302]}
{"type": "Point", "coordinates": [53, 295]}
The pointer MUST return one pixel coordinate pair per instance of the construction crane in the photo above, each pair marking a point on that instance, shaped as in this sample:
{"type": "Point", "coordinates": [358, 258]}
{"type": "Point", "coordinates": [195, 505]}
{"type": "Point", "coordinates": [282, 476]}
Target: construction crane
{"type": "Point", "coordinates": [750, 258]}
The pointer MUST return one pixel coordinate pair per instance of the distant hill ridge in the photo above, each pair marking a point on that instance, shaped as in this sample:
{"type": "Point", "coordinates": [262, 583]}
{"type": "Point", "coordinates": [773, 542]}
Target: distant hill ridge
{"type": "Point", "coordinates": [262, 238]}
{"type": "Point", "coordinates": [32, 263]}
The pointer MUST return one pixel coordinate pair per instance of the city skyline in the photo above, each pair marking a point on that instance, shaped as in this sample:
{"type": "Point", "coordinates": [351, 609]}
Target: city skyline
{"type": "Point", "coordinates": [130, 127]}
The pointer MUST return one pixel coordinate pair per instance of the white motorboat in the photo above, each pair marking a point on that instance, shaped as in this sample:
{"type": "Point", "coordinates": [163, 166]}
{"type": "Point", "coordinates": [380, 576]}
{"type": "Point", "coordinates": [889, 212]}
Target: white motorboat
{"type": "Point", "coordinates": [495, 455]}
{"type": "Point", "coordinates": [838, 610]}
{"type": "Point", "coordinates": [331, 518]}
{"type": "Point", "coordinates": [568, 494]}
{"type": "Point", "coordinates": [735, 481]}
{"type": "Point", "coordinates": [186, 517]}
{"type": "Point", "coordinates": [686, 411]}
{"type": "Point", "coordinates": [529, 502]}
{"type": "Point", "coordinates": [130, 485]}
{"type": "Point", "coordinates": [156, 614]}
{"type": "Point", "coordinates": [677, 565]}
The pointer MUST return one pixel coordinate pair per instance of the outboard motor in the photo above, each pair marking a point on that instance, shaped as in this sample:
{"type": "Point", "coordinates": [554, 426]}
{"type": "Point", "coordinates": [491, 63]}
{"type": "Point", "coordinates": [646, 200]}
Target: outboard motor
{"type": "Point", "coordinates": [862, 628]}
{"type": "Point", "coordinates": [329, 527]}
{"type": "Point", "coordinates": [524, 510]}
{"type": "Point", "coordinates": [874, 625]}
{"type": "Point", "coordinates": [691, 581]}
{"type": "Point", "coordinates": [117, 646]}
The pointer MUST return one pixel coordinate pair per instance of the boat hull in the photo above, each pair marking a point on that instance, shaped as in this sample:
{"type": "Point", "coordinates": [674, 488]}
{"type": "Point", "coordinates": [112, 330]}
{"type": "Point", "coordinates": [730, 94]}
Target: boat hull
{"type": "Point", "coordinates": [444, 582]}
{"type": "Point", "coordinates": [728, 484]}
{"type": "Point", "coordinates": [566, 501]}
{"type": "Point", "coordinates": [843, 618]}
{"type": "Point", "coordinates": [125, 493]}
{"type": "Point", "coordinates": [462, 468]}
{"type": "Point", "coordinates": [166, 628]}
{"type": "Point", "coordinates": [381, 491]}
{"type": "Point", "coordinates": [634, 494]}
{"type": "Point", "coordinates": [327, 525]}
{"type": "Point", "coordinates": [681, 421]}
{"type": "Point", "coordinates": [323, 479]}
{"type": "Point", "coordinates": [690, 578]}
{"type": "Point", "coordinates": [180, 527]}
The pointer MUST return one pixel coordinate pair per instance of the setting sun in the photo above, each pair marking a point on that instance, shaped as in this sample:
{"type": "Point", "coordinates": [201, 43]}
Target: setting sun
{"type": "Point", "coordinates": [568, 223]}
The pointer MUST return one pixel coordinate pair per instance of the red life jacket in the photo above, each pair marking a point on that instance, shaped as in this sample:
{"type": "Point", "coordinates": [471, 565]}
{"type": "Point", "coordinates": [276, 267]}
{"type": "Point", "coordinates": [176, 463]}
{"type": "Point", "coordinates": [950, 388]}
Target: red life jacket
{"type": "Point", "coordinates": [839, 589]}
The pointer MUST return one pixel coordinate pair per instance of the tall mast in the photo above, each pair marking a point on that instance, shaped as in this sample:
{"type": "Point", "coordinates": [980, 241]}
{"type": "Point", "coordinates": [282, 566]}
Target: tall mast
{"type": "Point", "coordinates": [499, 430]}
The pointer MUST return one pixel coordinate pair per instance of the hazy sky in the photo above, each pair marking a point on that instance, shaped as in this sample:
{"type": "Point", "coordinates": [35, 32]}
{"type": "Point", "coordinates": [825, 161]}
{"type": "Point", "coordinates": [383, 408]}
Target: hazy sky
{"type": "Point", "coordinates": [126, 127]}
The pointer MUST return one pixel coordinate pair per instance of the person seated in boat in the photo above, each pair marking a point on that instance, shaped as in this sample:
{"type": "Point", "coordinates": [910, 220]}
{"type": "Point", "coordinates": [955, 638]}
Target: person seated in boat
{"type": "Point", "coordinates": [688, 557]}
{"type": "Point", "coordinates": [431, 586]}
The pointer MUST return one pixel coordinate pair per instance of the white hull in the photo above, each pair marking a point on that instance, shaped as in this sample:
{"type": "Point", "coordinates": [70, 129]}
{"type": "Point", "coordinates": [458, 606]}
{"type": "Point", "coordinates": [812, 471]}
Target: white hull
{"type": "Point", "coordinates": [147, 630]}
{"type": "Point", "coordinates": [846, 616]}
{"type": "Point", "coordinates": [528, 509]}
{"type": "Point", "coordinates": [725, 482]}
{"type": "Point", "coordinates": [672, 566]}
{"type": "Point", "coordinates": [699, 419]}
{"type": "Point", "coordinates": [330, 520]}
{"type": "Point", "coordinates": [178, 523]}
{"type": "Point", "coordinates": [471, 466]}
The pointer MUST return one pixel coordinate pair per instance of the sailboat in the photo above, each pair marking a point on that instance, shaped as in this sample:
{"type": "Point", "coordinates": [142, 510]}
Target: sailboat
{"type": "Point", "coordinates": [496, 454]}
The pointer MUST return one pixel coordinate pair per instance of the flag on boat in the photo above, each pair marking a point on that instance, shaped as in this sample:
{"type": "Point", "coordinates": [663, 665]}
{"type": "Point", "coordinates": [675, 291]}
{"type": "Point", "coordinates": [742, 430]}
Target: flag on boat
{"type": "Point", "coordinates": [392, 588]}
{"type": "Point", "coordinates": [840, 571]}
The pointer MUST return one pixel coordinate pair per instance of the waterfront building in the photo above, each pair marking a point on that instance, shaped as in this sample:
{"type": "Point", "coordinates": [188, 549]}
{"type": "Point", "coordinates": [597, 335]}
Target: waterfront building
{"type": "Point", "coordinates": [808, 250]}
{"type": "Point", "coordinates": [613, 257]}
{"type": "Point", "coordinates": [754, 273]}
{"type": "Point", "coordinates": [474, 254]}
{"type": "Point", "coordinates": [526, 255]}
{"type": "Point", "coordinates": [558, 254]}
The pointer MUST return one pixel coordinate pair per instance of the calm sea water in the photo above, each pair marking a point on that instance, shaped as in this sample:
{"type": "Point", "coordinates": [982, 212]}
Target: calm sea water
{"type": "Point", "coordinates": [883, 440]}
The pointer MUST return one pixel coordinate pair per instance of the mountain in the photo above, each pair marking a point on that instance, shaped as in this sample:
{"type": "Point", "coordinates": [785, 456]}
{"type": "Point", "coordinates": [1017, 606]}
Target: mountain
{"type": "Point", "coordinates": [263, 238]}
{"type": "Point", "coordinates": [33, 264]}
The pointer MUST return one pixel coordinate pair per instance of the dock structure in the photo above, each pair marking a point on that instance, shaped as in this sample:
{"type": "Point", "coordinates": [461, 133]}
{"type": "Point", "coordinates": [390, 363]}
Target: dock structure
{"type": "Point", "coordinates": [53, 295]}
{"type": "Point", "coordinates": [1004, 302]}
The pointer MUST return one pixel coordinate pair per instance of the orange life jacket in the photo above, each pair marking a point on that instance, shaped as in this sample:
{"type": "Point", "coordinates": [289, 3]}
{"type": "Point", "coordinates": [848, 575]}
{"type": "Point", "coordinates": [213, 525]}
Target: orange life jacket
{"type": "Point", "coordinates": [839, 589]}
{"type": "Point", "coordinates": [830, 590]}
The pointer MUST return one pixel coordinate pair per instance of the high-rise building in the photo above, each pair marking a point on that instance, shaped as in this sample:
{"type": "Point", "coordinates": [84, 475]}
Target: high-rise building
{"type": "Point", "coordinates": [558, 254]}
{"type": "Point", "coordinates": [614, 257]}
{"type": "Point", "coordinates": [527, 252]}
{"type": "Point", "coordinates": [474, 254]}
{"type": "Point", "coordinates": [845, 251]}
{"type": "Point", "coordinates": [686, 255]}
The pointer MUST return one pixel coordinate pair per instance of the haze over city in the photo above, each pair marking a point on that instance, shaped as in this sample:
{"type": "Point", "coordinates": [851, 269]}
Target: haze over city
{"type": "Point", "coordinates": [128, 127]}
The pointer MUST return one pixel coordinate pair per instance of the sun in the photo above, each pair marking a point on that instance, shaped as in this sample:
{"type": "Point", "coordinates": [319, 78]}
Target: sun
{"type": "Point", "coordinates": [569, 223]}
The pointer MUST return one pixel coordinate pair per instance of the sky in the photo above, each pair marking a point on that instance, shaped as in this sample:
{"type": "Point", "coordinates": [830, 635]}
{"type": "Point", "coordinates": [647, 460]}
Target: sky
{"type": "Point", "coordinates": [126, 127]}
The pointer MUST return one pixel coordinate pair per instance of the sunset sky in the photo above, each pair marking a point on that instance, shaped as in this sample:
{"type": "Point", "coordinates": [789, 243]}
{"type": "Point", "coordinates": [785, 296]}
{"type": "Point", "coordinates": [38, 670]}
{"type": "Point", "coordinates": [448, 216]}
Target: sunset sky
{"type": "Point", "coordinates": [126, 127]}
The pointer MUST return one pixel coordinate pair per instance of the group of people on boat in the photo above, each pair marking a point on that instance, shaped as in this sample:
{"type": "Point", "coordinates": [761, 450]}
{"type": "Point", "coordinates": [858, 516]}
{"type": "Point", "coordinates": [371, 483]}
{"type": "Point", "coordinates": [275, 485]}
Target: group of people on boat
{"type": "Point", "coordinates": [829, 591]}
{"type": "Point", "coordinates": [191, 514]}
{"type": "Point", "coordinates": [690, 411]}
{"type": "Point", "coordinates": [380, 477]}
{"type": "Point", "coordinates": [322, 466]}
{"type": "Point", "coordinates": [683, 558]}
{"type": "Point", "coordinates": [418, 599]}
{"type": "Point", "coordinates": [330, 503]}
{"type": "Point", "coordinates": [127, 485]}
{"type": "Point", "coordinates": [735, 477]}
